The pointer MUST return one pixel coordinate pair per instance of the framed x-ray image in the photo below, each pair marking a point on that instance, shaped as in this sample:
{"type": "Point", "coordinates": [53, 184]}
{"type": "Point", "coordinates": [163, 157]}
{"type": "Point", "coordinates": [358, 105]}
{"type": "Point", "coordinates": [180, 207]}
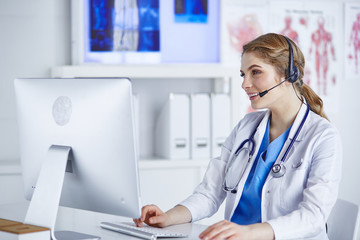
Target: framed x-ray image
{"type": "Point", "coordinates": [113, 31]}
{"type": "Point", "coordinates": [144, 31]}
{"type": "Point", "coordinates": [191, 11]}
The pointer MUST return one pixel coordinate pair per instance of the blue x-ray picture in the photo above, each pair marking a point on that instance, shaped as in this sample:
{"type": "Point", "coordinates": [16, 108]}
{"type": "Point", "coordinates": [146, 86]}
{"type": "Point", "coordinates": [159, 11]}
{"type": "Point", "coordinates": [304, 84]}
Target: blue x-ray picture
{"type": "Point", "coordinates": [124, 25]}
{"type": "Point", "coordinates": [191, 11]}
{"type": "Point", "coordinates": [101, 25]}
{"type": "Point", "coordinates": [149, 26]}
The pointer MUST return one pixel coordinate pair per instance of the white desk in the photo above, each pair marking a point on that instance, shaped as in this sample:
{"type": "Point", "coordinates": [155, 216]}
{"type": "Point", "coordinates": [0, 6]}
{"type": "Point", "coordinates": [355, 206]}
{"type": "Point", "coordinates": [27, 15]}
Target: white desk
{"type": "Point", "coordinates": [88, 222]}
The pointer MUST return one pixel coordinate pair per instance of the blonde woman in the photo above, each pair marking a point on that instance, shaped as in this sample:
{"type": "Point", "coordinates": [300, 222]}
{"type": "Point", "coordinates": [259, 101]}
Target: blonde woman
{"type": "Point", "coordinates": [279, 170]}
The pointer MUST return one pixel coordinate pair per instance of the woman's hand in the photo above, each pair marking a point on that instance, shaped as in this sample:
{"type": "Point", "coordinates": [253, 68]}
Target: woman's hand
{"type": "Point", "coordinates": [152, 216]}
{"type": "Point", "coordinates": [229, 230]}
{"type": "Point", "coordinates": [225, 230]}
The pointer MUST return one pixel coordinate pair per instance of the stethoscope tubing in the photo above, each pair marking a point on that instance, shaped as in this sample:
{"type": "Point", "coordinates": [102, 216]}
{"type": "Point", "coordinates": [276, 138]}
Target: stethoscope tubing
{"type": "Point", "coordinates": [278, 170]}
{"type": "Point", "coordinates": [296, 135]}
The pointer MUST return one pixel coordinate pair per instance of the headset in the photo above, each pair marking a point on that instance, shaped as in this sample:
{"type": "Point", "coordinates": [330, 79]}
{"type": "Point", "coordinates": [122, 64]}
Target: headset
{"type": "Point", "coordinates": [292, 72]}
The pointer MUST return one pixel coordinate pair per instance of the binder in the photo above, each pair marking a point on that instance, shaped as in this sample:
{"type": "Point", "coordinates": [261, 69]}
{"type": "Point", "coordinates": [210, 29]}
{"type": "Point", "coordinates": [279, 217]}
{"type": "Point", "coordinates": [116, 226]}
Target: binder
{"type": "Point", "coordinates": [220, 121]}
{"type": "Point", "coordinates": [200, 126]}
{"type": "Point", "coordinates": [173, 128]}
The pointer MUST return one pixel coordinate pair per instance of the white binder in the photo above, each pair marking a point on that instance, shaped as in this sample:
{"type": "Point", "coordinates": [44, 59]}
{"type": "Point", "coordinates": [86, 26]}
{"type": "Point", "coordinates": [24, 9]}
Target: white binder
{"type": "Point", "coordinates": [173, 128]}
{"type": "Point", "coordinates": [220, 121]}
{"type": "Point", "coordinates": [200, 126]}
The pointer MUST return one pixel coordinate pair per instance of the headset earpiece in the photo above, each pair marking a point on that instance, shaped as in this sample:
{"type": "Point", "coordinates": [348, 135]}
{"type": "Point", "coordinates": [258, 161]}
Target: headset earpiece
{"type": "Point", "coordinates": [292, 73]}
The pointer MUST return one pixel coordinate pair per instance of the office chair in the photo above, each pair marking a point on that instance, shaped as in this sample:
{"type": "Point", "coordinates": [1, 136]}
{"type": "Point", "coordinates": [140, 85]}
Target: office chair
{"type": "Point", "coordinates": [343, 221]}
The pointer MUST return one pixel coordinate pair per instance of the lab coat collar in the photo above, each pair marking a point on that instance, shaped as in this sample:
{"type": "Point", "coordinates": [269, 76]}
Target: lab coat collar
{"type": "Point", "coordinates": [262, 126]}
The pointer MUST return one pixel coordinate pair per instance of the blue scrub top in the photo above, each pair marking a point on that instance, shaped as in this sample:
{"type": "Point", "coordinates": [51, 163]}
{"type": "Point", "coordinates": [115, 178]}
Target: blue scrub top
{"type": "Point", "coordinates": [248, 210]}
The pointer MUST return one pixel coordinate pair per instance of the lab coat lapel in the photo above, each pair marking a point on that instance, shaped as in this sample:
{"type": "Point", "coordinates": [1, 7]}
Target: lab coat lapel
{"type": "Point", "coordinates": [259, 134]}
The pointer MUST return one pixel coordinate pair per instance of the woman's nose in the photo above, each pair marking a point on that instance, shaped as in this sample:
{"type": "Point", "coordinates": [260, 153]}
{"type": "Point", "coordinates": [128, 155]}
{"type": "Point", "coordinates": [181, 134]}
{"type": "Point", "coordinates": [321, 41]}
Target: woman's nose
{"type": "Point", "coordinates": [246, 83]}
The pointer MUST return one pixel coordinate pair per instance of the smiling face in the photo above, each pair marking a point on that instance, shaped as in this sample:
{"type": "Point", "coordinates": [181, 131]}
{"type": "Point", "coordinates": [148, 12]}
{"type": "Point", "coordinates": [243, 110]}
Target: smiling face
{"type": "Point", "coordinates": [259, 76]}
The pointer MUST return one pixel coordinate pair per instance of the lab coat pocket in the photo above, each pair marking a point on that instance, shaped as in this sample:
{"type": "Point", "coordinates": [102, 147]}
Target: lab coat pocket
{"type": "Point", "coordinates": [292, 185]}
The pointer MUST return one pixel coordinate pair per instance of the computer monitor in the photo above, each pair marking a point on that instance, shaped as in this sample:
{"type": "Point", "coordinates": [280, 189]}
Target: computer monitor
{"type": "Point", "coordinates": [83, 125]}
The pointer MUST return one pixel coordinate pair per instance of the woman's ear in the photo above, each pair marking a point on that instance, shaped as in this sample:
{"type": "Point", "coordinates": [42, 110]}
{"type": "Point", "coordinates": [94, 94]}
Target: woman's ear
{"type": "Point", "coordinates": [287, 83]}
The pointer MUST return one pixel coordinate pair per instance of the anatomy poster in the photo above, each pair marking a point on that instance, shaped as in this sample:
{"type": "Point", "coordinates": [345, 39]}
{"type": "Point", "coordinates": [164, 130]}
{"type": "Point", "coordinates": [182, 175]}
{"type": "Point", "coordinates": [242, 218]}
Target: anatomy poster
{"type": "Point", "coordinates": [290, 20]}
{"type": "Point", "coordinates": [240, 23]}
{"type": "Point", "coordinates": [352, 40]}
{"type": "Point", "coordinates": [315, 27]}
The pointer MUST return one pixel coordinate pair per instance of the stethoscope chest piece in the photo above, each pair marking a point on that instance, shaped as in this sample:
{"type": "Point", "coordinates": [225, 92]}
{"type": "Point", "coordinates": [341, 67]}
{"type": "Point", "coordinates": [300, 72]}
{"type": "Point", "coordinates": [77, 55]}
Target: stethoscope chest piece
{"type": "Point", "coordinates": [278, 170]}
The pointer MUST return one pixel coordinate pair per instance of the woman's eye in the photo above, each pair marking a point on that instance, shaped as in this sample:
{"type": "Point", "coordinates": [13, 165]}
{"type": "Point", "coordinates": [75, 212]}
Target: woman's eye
{"type": "Point", "coordinates": [254, 72]}
{"type": "Point", "coordinates": [242, 75]}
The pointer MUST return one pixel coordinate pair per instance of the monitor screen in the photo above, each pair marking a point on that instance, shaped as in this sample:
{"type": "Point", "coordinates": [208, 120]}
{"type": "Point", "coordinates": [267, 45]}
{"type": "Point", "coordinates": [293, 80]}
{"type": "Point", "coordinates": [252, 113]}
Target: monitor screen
{"type": "Point", "coordinates": [93, 117]}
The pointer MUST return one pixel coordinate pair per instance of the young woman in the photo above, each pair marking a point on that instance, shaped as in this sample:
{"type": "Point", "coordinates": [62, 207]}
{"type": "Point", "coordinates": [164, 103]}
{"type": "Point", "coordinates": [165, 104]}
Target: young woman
{"type": "Point", "coordinates": [279, 169]}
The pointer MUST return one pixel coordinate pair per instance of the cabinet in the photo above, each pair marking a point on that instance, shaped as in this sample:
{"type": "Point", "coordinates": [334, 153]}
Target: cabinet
{"type": "Point", "coordinates": [166, 182]}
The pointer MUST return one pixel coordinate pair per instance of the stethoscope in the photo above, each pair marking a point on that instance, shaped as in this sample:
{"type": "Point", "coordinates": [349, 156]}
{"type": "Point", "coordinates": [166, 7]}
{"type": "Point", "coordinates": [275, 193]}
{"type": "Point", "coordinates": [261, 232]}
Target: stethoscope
{"type": "Point", "coordinates": [278, 170]}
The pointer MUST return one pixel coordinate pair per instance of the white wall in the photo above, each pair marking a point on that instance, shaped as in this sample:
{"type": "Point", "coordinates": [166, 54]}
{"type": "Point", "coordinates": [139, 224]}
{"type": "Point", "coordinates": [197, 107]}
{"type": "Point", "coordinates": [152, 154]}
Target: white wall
{"type": "Point", "coordinates": [35, 35]}
{"type": "Point", "coordinates": [349, 127]}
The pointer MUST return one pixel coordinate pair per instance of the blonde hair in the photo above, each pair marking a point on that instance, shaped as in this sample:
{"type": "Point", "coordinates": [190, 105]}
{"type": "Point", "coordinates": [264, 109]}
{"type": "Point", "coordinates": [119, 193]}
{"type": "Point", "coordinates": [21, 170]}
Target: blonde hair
{"type": "Point", "coordinates": [274, 49]}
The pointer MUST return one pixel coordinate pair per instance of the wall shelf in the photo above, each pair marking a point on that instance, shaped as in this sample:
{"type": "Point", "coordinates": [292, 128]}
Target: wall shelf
{"type": "Point", "coordinates": [146, 71]}
{"type": "Point", "coordinates": [226, 78]}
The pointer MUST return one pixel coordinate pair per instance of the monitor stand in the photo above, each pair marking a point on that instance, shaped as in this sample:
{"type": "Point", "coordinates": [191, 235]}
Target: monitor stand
{"type": "Point", "coordinates": [45, 201]}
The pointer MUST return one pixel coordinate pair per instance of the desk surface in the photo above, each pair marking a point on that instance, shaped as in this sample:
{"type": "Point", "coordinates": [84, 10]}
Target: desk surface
{"type": "Point", "coordinates": [89, 222]}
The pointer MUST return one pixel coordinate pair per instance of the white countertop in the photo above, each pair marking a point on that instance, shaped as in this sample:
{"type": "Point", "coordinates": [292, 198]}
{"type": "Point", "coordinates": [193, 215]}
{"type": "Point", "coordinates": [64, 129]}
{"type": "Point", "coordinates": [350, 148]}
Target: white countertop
{"type": "Point", "coordinates": [89, 222]}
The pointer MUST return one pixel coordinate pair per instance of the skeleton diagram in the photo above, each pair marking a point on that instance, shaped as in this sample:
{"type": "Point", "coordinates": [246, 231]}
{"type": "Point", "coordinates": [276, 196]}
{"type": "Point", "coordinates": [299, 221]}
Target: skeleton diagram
{"type": "Point", "coordinates": [321, 40]}
{"type": "Point", "coordinates": [355, 40]}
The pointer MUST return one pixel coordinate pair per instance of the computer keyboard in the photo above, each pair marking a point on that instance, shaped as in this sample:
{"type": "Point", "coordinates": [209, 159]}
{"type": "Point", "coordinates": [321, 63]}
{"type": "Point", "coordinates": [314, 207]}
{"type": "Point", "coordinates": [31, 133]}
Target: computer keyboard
{"type": "Point", "coordinates": [145, 232]}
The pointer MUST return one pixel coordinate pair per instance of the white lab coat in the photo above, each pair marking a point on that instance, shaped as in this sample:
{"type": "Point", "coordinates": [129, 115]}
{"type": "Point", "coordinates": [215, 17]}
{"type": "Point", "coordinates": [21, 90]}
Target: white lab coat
{"type": "Point", "coordinates": [296, 205]}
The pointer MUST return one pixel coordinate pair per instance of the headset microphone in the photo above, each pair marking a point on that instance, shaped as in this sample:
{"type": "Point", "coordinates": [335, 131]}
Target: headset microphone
{"type": "Point", "coordinates": [261, 94]}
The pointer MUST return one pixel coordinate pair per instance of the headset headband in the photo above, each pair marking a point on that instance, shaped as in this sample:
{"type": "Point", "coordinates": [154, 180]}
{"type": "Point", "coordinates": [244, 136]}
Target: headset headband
{"type": "Point", "coordinates": [292, 73]}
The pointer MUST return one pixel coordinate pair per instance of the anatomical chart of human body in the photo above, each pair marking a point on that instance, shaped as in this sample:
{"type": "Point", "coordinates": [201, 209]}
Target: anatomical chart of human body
{"type": "Point", "coordinates": [315, 27]}
{"type": "Point", "coordinates": [352, 41]}
{"type": "Point", "coordinates": [240, 23]}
